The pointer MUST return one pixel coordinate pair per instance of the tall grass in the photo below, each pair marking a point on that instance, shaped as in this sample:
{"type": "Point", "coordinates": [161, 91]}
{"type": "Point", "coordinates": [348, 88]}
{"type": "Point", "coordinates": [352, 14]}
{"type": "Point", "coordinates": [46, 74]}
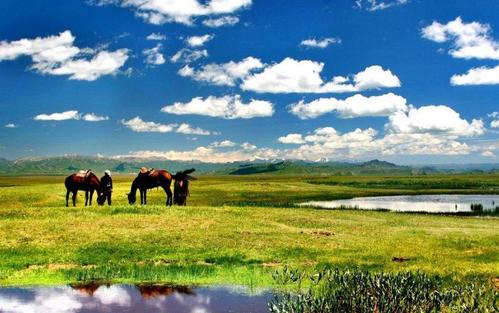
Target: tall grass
{"type": "Point", "coordinates": [332, 290]}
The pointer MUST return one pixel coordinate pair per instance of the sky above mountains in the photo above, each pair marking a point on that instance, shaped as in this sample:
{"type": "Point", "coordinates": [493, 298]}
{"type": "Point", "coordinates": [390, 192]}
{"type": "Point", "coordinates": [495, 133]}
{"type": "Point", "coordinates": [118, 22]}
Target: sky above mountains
{"type": "Point", "coordinates": [409, 81]}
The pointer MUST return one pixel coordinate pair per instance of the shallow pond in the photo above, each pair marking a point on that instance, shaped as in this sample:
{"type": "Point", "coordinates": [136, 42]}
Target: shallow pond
{"type": "Point", "coordinates": [129, 298]}
{"type": "Point", "coordinates": [419, 203]}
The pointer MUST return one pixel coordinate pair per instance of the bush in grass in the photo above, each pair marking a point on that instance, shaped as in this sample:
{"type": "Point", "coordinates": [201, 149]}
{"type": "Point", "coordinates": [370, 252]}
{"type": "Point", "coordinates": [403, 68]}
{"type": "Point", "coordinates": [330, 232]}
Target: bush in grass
{"type": "Point", "coordinates": [361, 291]}
{"type": "Point", "coordinates": [477, 207]}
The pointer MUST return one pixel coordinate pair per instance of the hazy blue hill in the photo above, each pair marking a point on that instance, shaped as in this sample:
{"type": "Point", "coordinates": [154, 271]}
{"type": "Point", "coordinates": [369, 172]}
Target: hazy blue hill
{"type": "Point", "coordinates": [65, 165]}
{"type": "Point", "coordinates": [337, 168]}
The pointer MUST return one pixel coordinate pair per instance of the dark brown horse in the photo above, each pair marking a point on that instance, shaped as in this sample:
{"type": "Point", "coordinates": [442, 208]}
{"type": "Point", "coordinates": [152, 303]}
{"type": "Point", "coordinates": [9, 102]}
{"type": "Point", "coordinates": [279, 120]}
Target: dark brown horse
{"type": "Point", "coordinates": [181, 186]}
{"type": "Point", "coordinates": [148, 179]}
{"type": "Point", "coordinates": [86, 181]}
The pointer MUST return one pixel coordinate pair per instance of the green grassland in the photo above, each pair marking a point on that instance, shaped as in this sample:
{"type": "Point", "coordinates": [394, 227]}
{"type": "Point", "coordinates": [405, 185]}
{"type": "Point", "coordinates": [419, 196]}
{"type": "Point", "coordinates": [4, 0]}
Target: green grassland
{"type": "Point", "coordinates": [238, 229]}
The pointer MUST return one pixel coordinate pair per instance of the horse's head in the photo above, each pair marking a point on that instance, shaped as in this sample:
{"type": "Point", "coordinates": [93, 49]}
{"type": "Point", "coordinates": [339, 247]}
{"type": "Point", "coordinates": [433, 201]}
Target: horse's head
{"type": "Point", "coordinates": [132, 198]}
{"type": "Point", "coordinates": [181, 186]}
{"type": "Point", "coordinates": [101, 198]}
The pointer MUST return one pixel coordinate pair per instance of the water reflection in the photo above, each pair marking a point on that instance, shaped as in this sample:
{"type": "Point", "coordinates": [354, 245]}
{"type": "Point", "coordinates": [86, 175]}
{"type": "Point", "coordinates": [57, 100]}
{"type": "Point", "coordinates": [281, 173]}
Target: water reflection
{"type": "Point", "coordinates": [128, 298]}
{"type": "Point", "coordinates": [419, 203]}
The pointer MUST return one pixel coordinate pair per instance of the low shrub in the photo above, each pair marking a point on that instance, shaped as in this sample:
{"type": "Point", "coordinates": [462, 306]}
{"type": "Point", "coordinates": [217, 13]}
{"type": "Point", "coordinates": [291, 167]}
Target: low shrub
{"type": "Point", "coordinates": [476, 207]}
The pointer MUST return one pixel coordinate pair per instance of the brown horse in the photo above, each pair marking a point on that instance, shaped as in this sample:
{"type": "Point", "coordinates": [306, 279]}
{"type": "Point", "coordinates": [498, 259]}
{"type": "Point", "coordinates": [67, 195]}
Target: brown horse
{"type": "Point", "coordinates": [86, 181]}
{"type": "Point", "coordinates": [148, 179]}
{"type": "Point", "coordinates": [181, 186]}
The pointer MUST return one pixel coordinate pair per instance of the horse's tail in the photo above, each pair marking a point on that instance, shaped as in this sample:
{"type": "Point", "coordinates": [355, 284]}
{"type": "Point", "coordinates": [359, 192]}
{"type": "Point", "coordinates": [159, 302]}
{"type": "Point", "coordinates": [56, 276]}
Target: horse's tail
{"type": "Point", "coordinates": [67, 182]}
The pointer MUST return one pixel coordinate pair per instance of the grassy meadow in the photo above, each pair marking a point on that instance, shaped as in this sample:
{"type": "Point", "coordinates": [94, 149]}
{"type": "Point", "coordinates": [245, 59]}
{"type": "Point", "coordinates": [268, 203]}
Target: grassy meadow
{"type": "Point", "coordinates": [238, 229]}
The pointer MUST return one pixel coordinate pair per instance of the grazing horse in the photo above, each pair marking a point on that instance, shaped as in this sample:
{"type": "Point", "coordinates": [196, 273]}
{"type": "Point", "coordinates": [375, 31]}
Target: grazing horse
{"type": "Point", "coordinates": [181, 186]}
{"type": "Point", "coordinates": [148, 179]}
{"type": "Point", "coordinates": [86, 181]}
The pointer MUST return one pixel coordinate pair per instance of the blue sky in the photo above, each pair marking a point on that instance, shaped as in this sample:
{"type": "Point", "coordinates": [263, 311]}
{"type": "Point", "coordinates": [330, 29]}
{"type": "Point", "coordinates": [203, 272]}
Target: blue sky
{"type": "Point", "coordinates": [407, 81]}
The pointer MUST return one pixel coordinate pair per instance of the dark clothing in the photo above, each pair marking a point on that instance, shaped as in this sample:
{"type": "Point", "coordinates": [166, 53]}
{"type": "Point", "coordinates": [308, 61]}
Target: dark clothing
{"type": "Point", "coordinates": [107, 195]}
{"type": "Point", "coordinates": [106, 183]}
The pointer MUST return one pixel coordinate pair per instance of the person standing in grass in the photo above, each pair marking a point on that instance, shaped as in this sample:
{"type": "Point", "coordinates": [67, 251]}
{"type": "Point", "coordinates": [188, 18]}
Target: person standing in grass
{"type": "Point", "coordinates": [107, 186]}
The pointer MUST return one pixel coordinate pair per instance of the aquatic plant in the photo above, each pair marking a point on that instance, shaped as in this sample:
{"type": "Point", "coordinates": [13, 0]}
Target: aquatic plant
{"type": "Point", "coordinates": [332, 290]}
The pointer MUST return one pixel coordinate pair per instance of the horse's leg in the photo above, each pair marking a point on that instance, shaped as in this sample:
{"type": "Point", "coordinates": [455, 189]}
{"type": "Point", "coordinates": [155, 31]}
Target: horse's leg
{"type": "Point", "coordinates": [169, 198]}
{"type": "Point", "coordinates": [145, 196]}
{"type": "Point", "coordinates": [141, 196]}
{"type": "Point", "coordinates": [75, 193]}
{"type": "Point", "coordinates": [67, 197]}
{"type": "Point", "coordinates": [91, 196]}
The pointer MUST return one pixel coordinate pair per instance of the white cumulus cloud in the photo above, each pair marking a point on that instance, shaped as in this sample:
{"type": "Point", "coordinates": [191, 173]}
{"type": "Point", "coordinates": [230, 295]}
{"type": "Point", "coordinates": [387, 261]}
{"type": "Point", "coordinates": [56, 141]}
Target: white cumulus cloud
{"type": "Point", "coordinates": [226, 74]}
{"type": "Point", "coordinates": [11, 125]}
{"type": "Point", "coordinates": [433, 119]}
{"type": "Point", "coordinates": [138, 125]}
{"type": "Point", "coordinates": [292, 138]}
{"type": "Point", "coordinates": [227, 107]}
{"type": "Point", "coordinates": [223, 144]}
{"type": "Point", "coordinates": [354, 106]}
{"type": "Point", "coordinates": [92, 117]}
{"type": "Point", "coordinates": [70, 115]}
{"type": "Point", "coordinates": [320, 43]}
{"type": "Point", "coordinates": [292, 76]}
{"type": "Point", "coordinates": [156, 37]}
{"type": "Point", "coordinates": [198, 41]}
{"type": "Point", "coordinates": [477, 76]}
{"type": "Point", "coordinates": [186, 55]}
{"type": "Point", "coordinates": [227, 20]}
{"type": "Point", "coordinates": [67, 115]}
{"type": "Point", "coordinates": [469, 40]}
{"type": "Point", "coordinates": [154, 55]}
{"type": "Point", "coordinates": [180, 11]}
{"type": "Point", "coordinates": [57, 55]}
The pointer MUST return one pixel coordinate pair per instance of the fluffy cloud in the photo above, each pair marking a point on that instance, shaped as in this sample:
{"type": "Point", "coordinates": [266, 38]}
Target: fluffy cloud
{"type": "Point", "coordinates": [292, 138]}
{"type": "Point", "coordinates": [57, 55]}
{"type": "Point", "coordinates": [319, 43]}
{"type": "Point", "coordinates": [10, 125]}
{"type": "Point", "coordinates": [138, 125]}
{"type": "Point", "coordinates": [477, 76]}
{"type": "Point", "coordinates": [179, 11]}
{"type": "Point", "coordinates": [469, 40]}
{"type": "Point", "coordinates": [488, 153]}
{"type": "Point", "coordinates": [495, 119]}
{"type": "Point", "coordinates": [223, 144]}
{"type": "Point", "coordinates": [328, 143]}
{"type": "Point", "coordinates": [187, 129]}
{"type": "Point", "coordinates": [292, 76]}
{"type": "Point", "coordinates": [433, 119]}
{"type": "Point", "coordinates": [375, 5]}
{"type": "Point", "coordinates": [227, 107]}
{"type": "Point", "coordinates": [198, 41]}
{"type": "Point", "coordinates": [208, 154]}
{"type": "Point", "coordinates": [188, 55]}
{"type": "Point", "coordinates": [226, 74]}
{"type": "Point", "coordinates": [67, 115]}
{"type": "Point", "coordinates": [154, 55]}
{"type": "Point", "coordinates": [70, 115]}
{"type": "Point", "coordinates": [227, 20]}
{"type": "Point", "coordinates": [353, 106]}
{"type": "Point", "coordinates": [156, 37]}
{"type": "Point", "coordinates": [289, 76]}
{"type": "Point", "coordinates": [428, 130]}
{"type": "Point", "coordinates": [92, 117]}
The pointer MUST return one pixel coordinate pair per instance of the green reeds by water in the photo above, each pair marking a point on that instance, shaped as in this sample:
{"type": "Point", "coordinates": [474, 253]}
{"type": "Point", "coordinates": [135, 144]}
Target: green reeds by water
{"type": "Point", "coordinates": [333, 290]}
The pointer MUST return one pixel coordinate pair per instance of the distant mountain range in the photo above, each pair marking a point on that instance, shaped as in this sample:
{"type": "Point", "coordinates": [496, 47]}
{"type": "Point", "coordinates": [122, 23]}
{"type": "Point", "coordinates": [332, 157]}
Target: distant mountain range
{"type": "Point", "coordinates": [68, 164]}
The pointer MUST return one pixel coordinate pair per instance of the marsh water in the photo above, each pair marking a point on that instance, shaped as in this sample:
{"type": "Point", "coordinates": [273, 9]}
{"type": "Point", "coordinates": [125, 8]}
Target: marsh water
{"type": "Point", "coordinates": [130, 298]}
{"type": "Point", "coordinates": [417, 203]}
